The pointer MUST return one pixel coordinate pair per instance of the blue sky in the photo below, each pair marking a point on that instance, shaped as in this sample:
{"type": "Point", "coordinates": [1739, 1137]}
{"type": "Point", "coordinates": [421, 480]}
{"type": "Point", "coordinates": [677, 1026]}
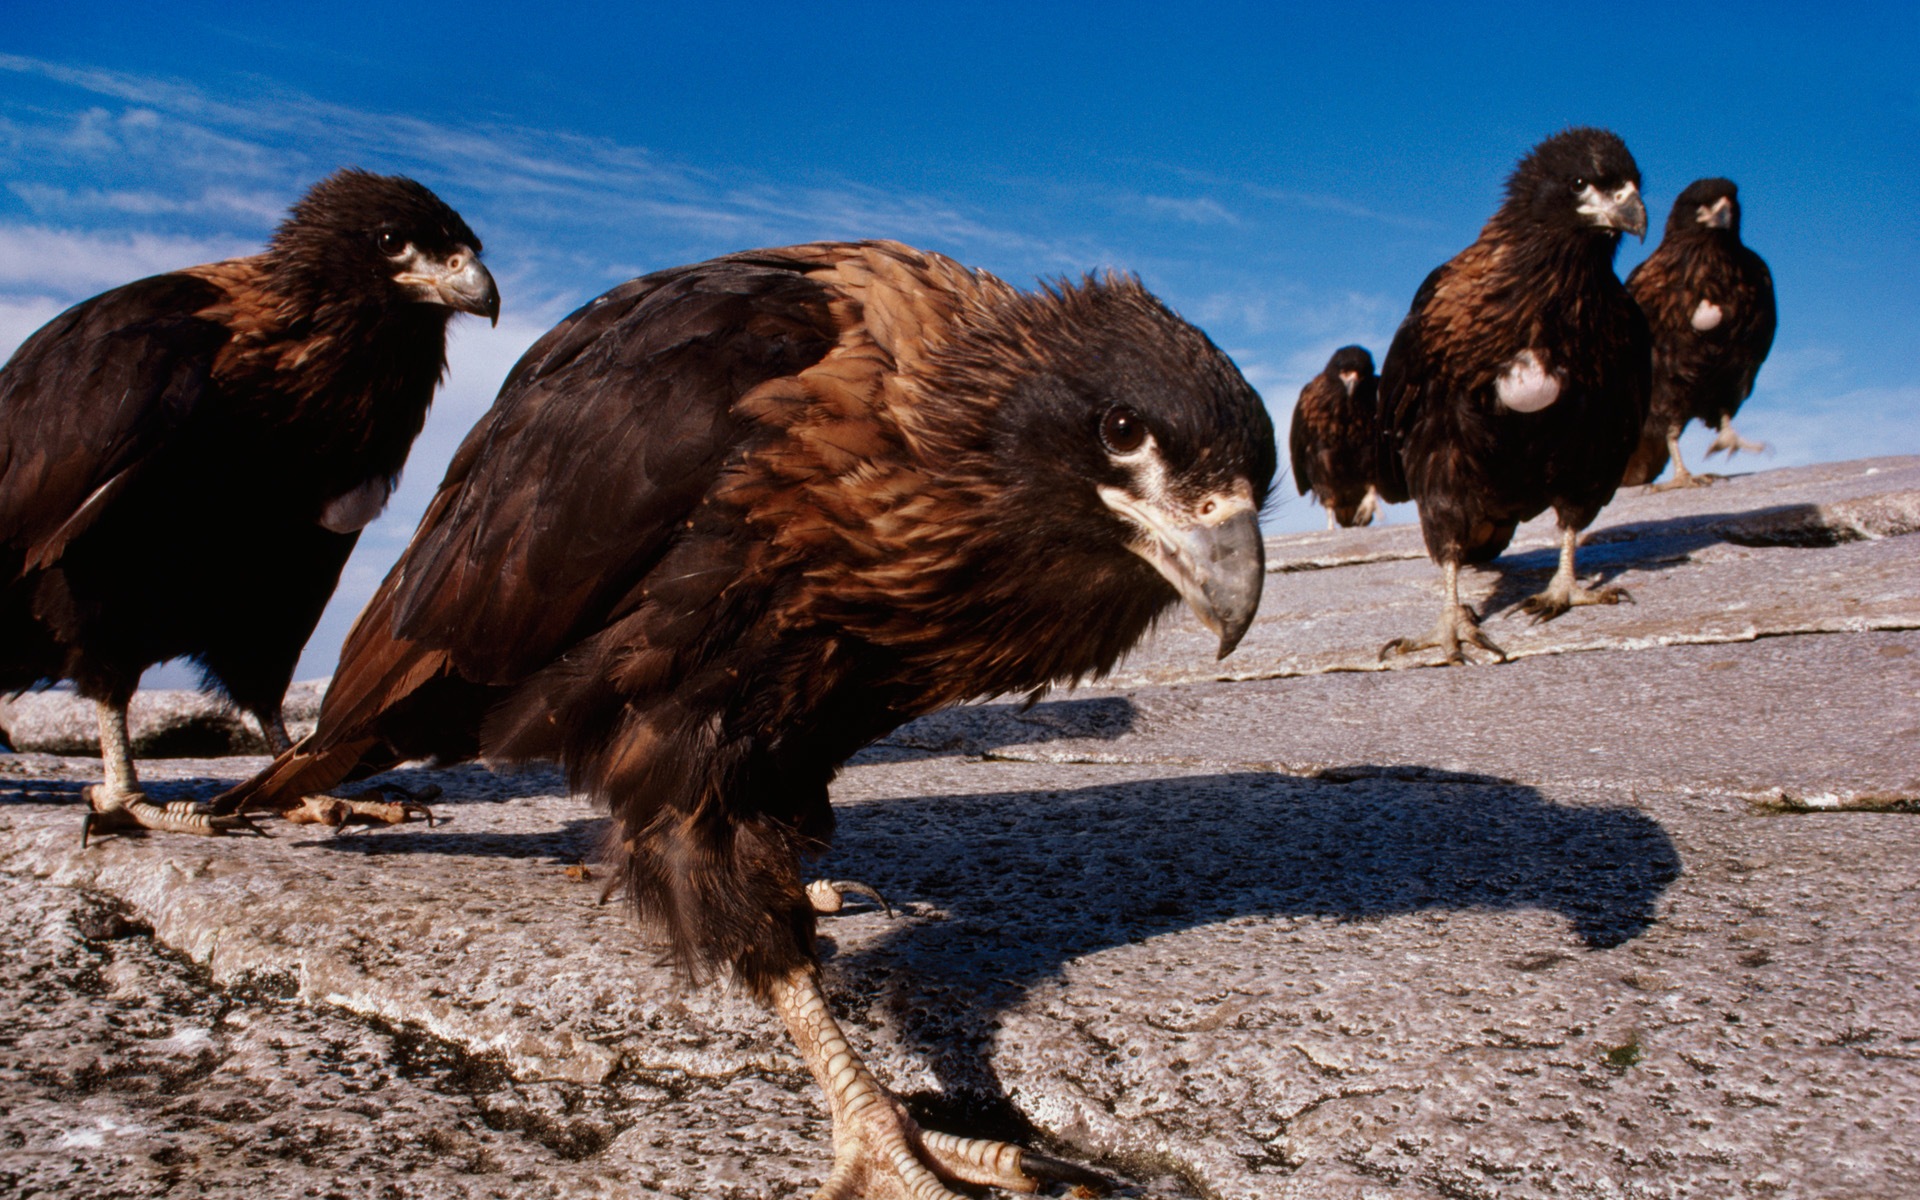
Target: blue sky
{"type": "Point", "coordinates": [1283, 176]}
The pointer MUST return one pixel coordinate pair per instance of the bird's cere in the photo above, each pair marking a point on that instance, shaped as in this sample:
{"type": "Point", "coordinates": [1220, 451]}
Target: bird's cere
{"type": "Point", "coordinates": [1718, 215]}
{"type": "Point", "coordinates": [1526, 385]}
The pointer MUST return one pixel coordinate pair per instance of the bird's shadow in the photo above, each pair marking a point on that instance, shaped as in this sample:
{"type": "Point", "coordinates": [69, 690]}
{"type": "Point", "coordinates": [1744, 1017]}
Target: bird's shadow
{"type": "Point", "coordinates": [975, 729]}
{"type": "Point", "coordinates": [1647, 546]}
{"type": "Point", "coordinates": [1032, 881]}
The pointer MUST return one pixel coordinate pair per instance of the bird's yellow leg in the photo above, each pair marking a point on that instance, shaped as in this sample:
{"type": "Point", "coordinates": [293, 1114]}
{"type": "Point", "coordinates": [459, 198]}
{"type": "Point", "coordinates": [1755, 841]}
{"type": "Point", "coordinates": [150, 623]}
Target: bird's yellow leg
{"type": "Point", "coordinates": [1563, 592]}
{"type": "Point", "coordinates": [1457, 625]}
{"type": "Point", "coordinates": [119, 805]}
{"type": "Point", "coordinates": [1732, 442]}
{"type": "Point", "coordinates": [880, 1152]}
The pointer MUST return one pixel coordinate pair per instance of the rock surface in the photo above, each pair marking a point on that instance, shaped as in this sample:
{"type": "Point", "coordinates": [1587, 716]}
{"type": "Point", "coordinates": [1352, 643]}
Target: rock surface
{"type": "Point", "coordinates": [1628, 916]}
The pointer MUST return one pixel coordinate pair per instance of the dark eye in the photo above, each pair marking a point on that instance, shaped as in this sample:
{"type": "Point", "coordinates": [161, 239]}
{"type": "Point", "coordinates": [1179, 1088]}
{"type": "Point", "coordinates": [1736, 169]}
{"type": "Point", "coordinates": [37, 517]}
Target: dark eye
{"type": "Point", "coordinates": [391, 244]}
{"type": "Point", "coordinates": [1579, 185]}
{"type": "Point", "coordinates": [1122, 430]}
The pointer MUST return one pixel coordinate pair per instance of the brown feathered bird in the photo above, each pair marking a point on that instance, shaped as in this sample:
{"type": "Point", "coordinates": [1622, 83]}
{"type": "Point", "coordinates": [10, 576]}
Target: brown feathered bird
{"type": "Point", "coordinates": [731, 522]}
{"type": "Point", "coordinates": [1519, 379]}
{"type": "Point", "coordinates": [1335, 438]}
{"type": "Point", "coordinates": [186, 461]}
{"type": "Point", "coordinates": [1709, 300]}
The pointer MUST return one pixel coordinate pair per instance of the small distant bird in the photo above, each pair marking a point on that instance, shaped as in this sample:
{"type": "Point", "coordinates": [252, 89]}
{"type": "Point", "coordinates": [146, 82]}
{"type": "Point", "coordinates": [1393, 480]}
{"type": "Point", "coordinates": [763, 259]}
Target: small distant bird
{"type": "Point", "coordinates": [731, 522]}
{"type": "Point", "coordinates": [1335, 439]}
{"type": "Point", "coordinates": [186, 461]}
{"type": "Point", "coordinates": [1709, 300]}
{"type": "Point", "coordinates": [1519, 379]}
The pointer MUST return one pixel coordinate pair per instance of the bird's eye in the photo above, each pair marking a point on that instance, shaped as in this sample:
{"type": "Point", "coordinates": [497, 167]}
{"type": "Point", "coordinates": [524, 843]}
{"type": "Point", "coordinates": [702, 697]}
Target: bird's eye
{"type": "Point", "coordinates": [391, 244]}
{"type": "Point", "coordinates": [1122, 430]}
{"type": "Point", "coordinates": [1579, 184]}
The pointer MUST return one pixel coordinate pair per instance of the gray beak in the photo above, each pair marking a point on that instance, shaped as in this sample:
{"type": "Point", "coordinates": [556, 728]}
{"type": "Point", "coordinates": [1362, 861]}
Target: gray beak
{"type": "Point", "coordinates": [1620, 209]}
{"type": "Point", "coordinates": [1213, 557]}
{"type": "Point", "coordinates": [462, 283]}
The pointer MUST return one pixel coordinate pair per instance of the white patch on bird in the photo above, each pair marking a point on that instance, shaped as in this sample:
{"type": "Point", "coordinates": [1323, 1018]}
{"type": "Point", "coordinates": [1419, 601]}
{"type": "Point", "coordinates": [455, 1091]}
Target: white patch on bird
{"type": "Point", "coordinates": [1348, 379]}
{"type": "Point", "coordinates": [1150, 472]}
{"type": "Point", "coordinates": [350, 512]}
{"type": "Point", "coordinates": [1526, 385]}
{"type": "Point", "coordinates": [1706, 315]}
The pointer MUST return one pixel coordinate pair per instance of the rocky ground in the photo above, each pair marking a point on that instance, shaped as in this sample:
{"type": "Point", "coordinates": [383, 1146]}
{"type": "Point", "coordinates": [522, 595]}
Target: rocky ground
{"type": "Point", "coordinates": [1627, 916]}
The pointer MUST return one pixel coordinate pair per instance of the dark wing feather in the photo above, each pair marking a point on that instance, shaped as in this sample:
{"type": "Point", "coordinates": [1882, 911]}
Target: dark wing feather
{"type": "Point", "coordinates": [88, 399]}
{"type": "Point", "coordinates": [528, 544]}
{"type": "Point", "coordinates": [1407, 379]}
{"type": "Point", "coordinates": [1300, 441]}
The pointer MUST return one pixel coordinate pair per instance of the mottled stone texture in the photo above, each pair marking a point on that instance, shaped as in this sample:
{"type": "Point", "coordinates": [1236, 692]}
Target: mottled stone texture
{"type": "Point", "coordinates": [1630, 916]}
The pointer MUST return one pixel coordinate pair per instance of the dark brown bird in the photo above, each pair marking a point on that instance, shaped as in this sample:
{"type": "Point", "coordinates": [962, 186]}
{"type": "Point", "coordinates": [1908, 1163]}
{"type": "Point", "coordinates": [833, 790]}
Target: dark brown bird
{"type": "Point", "coordinates": [186, 461]}
{"type": "Point", "coordinates": [1709, 300]}
{"type": "Point", "coordinates": [1336, 436]}
{"type": "Point", "coordinates": [1519, 379]}
{"type": "Point", "coordinates": [731, 522]}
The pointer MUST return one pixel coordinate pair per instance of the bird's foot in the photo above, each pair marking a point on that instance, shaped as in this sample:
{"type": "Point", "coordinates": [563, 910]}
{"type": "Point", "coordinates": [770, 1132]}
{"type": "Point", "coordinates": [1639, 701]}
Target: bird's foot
{"type": "Point", "coordinates": [1684, 479]}
{"type": "Point", "coordinates": [1732, 443]}
{"type": "Point", "coordinates": [116, 811]}
{"type": "Point", "coordinates": [881, 1153]}
{"type": "Point", "coordinates": [371, 807]}
{"type": "Point", "coordinates": [1457, 628]}
{"type": "Point", "coordinates": [1556, 600]}
{"type": "Point", "coordinates": [1368, 508]}
{"type": "Point", "coordinates": [829, 896]}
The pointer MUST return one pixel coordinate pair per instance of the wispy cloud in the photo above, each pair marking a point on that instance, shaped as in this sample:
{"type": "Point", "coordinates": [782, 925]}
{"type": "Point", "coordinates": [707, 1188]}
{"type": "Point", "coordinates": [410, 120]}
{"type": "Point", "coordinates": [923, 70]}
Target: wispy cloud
{"type": "Point", "coordinates": [35, 259]}
{"type": "Point", "coordinates": [1200, 210]}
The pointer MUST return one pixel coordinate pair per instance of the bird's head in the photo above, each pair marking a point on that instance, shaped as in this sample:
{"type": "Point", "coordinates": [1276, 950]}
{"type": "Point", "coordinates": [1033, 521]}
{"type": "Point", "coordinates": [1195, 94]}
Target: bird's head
{"type": "Point", "coordinates": [1124, 436]}
{"type": "Point", "coordinates": [384, 240]}
{"type": "Point", "coordinates": [1706, 204]}
{"type": "Point", "coordinates": [1579, 180]}
{"type": "Point", "coordinates": [1351, 366]}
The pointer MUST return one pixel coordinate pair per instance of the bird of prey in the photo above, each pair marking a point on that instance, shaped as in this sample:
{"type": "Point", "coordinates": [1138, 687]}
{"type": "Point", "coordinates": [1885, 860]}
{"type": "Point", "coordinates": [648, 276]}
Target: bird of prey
{"type": "Point", "coordinates": [1519, 379]}
{"type": "Point", "coordinates": [1335, 438]}
{"type": "Point", "coordinates": [730, 522]}
{"type": "Point", "coordinates": [1709, 300]}
{"type": "Point", "coordinates": [186, 461]}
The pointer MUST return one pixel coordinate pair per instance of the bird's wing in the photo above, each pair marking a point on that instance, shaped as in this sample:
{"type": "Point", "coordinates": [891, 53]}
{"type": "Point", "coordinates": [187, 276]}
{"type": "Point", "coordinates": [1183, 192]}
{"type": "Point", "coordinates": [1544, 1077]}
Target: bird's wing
{"type": "Point", "coordinates": [1409, 382]}
{"type": "Point", "coordinates": [88, 399]}
{"type": "Point", "coordinates": [1299, 441]}
{"type": "Point", "coordinates": [1757, 319]}
{"type": "Point", "coordinates": [604, 438]}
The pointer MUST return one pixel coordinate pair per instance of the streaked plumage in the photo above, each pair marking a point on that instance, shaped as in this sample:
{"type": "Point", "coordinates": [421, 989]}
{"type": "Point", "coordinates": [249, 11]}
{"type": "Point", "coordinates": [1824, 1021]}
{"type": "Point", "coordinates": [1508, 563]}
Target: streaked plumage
{"type": "Point", "coordinates": [1335, 437]}
{"type": "Point", "coordinates": [1518, 380]}
{"type": "Point", "coordinates": [1709, 300]}
{"type": "Point", "coordinates": [728, 523]}
{"type": "Point", "coordinates": [186, 461]}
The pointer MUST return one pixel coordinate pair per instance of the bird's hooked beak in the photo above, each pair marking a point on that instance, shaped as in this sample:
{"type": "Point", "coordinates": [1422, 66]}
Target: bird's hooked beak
{"type": "Point", "coordinates": [1348, 380]}
{"type": "Point", "coordinates": [1718, 215]}
{"type": "Point", "coordinates": [460, 281]}
{"type": "Point", "coordinates": [1211, 553]}
{"type": "Point", "coordinates": [1620, 209]}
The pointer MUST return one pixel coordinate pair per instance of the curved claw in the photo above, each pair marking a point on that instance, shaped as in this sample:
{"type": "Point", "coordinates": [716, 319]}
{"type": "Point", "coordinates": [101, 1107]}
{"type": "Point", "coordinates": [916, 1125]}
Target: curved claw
{"type": "Point", "coordinates": [1047, 1169]}
{"type": "Point", "coordinates": [829, 896]}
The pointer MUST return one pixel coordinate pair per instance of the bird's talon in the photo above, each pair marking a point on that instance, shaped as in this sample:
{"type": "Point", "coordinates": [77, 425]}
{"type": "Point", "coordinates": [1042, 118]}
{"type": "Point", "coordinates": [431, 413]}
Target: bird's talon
{"type": "Point", "coordinates": [828, 896]}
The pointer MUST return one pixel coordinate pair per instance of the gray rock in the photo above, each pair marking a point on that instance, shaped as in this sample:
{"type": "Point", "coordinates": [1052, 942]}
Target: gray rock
{"type": "Point", "coordinates": [1628, 916]}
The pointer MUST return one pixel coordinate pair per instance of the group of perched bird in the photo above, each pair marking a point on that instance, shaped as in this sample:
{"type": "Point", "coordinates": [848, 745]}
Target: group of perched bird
{"type": "Point", "coordinates": [1526, 376]}
{"type": "Point", "coordinates": [728, 523]}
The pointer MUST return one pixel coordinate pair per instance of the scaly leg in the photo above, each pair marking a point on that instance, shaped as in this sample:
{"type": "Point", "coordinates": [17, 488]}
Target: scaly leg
{"type": "Point", "coordinates": [1732, 442]}
{"type": "Point", "coordinates": [273, 731]}
{"type": "Point", "coordinates": [879, 1152]}
{"type": "Point", "coordinates": [1457, 625]}
{"type": "Point", "coordinates": [1682, 478]}
{"type": "Point", "coordinates": [120, 806]}
{"type": "Point", "coordinates": [1369, 505]}
{"type": "Point", "coordinates": [1563, 593]}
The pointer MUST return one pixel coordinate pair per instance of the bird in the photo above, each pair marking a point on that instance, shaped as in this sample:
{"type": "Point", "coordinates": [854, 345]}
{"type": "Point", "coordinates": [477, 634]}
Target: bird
{"type": "Point", "coordinates": [730, 522]}
{"type": "Point", "coordinates": [1519, 379]}
{"type": "Point", "coordinates": [1709, 299]}
{"type": "Point", "coordinates": [1335, 440]}
{"type": "Point", "coordinates": [186, 461]}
